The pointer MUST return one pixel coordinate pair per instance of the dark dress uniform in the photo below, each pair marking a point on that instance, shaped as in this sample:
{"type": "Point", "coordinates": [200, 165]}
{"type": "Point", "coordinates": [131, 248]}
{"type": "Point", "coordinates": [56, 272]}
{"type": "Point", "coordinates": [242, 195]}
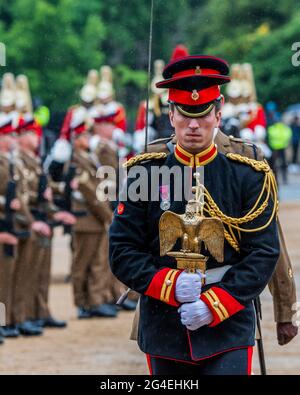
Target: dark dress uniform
{"type": "Point", "coordinates": [235, 186]}
{"type": "Point", "coordinates": [282, 284]}
{"type": "Point", "coordinates": [135, 260]}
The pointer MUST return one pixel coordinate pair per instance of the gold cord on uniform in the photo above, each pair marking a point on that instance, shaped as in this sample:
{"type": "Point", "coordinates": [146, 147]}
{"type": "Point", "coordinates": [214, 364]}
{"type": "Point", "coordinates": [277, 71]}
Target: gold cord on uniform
{"type": "Point", "coordinates": [269, 187]}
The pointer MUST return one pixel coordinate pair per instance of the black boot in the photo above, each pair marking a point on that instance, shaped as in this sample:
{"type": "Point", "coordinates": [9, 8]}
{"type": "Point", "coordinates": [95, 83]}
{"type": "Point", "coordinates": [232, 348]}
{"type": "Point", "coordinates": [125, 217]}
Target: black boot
{"type": "Point", "coordinates": [38, 322]}
{"type": "Point", "coordinates": [27, 328]}
{"type": "Point", "coordinates": [51, 322]}
{"type": "Point", "coordinates": [83, 313]}
{"type": "Point", "coordinates": [104, 310]}
{"type": "Point", "coordinates": [11, 331]}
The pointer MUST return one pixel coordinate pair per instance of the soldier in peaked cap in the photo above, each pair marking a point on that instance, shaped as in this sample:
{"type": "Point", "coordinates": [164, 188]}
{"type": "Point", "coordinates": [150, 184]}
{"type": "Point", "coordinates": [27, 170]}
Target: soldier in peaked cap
{"type": "Point", "coordinates": [91, 277]}
{"type": "Point", "coordinates": [187, 326]}
{"type": "Point", "coordinates": [47, 215]}
{"type": "Point", "coordinates": [13, 208]}
{"type": "Point", "coordinates": [282, 284]}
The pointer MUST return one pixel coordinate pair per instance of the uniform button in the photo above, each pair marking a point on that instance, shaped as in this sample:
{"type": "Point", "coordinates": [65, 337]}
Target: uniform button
{"type": "Point", "coordinates": [290, 273]}
{"type": "Point", "coordinates": [216, 304]}
{"type": "Point", "coordinates": [168, 282]}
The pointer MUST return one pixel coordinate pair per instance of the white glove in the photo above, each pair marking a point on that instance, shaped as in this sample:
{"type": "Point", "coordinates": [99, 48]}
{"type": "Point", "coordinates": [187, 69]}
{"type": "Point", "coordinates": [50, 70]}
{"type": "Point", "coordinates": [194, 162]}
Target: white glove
{"type": "Point", "coordinates": [188, 287]}
{"type": "Point", "coordinates": [194, 315]}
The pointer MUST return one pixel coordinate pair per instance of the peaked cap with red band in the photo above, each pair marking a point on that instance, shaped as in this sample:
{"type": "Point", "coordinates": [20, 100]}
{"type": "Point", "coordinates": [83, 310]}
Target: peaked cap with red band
{"type": "Point", "coordinates": [79, 129]}
{"type": "Point", "coordinates": [7, 127]}
{"type": "Point", "coordinates": [74, 126]}
{"type": "Point", "coordinates": [194, 82]}
{"type": "Point", "coordinates": [29, 125]}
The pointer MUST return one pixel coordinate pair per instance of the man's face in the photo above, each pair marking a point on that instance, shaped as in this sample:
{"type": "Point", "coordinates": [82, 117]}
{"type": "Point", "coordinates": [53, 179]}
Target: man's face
{"type": "Point", "coordinates": [82, 142]}
{"type": "Point", "coordinates": [104, 130]}
{"type": "Point", "coordinates": [8, 143]}
{"type": "Point", "coordinates": [195, 134]}
{"type": "Point", "coordinates": [29, 141]}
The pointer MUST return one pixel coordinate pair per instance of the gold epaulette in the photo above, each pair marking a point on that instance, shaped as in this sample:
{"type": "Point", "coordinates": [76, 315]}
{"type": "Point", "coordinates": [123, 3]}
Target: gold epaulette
{"type": "Point", "coordinates": [258, 165]}
{"type": "Point", "coordinates": [142, 157]}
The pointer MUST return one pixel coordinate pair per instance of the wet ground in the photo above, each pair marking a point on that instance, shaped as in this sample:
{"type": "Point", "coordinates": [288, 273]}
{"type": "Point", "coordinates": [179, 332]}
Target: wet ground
{"type": "Point", "coordinates": [101, 346]}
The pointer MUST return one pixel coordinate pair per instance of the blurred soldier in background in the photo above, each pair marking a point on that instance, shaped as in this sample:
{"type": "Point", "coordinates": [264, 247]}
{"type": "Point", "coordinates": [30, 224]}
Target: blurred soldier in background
{"type": "Point", "coordinates": [295, 126]}
{"type": "Point", "coordinates": [108, 114]}
{"type": "Point", "coordinates": [158, 112]}
{"type": "Point", "coordinates": [11, 202]}
{"type": "Point", "coordinates": [279, 137]}
{"type": "Point", "coordinates": [15, 278]}
{"type": "Point", "coordinates": [89, 274]}
{"type": "Point", "coordinates": [106, 152]}
{"type": "Point", "coordinates": [26, 261]}
{"type": "Point", "coordinates": [243, 116]}
{"type": "Point", "coordinates": [87, 96]}
{"type": "Point", "coordinates": [45, 212]}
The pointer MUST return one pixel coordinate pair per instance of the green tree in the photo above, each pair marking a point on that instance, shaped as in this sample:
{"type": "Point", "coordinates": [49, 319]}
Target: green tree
{"type": "Point", "coordinates": [43, 43]}
{"type": "Point", "coordinates": [55, 42]}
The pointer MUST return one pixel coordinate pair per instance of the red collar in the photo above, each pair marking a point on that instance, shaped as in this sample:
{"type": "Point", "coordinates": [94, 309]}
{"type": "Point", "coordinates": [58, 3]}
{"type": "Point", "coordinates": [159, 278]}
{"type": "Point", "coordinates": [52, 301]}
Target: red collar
{"type": "Point", "coordinates": [201, 159]}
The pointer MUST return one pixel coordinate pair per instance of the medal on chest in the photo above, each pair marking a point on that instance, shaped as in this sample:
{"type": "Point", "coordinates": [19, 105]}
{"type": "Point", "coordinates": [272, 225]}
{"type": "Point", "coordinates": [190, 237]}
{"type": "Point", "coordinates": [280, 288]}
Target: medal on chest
{"type": "Point", "coordinates": [164, 192]}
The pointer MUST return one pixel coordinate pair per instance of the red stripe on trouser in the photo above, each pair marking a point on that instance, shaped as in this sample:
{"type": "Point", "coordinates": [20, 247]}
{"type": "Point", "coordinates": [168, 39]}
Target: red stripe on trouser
{"type": "Point", "coordinates": [249, 364]}
{"type": "Point", "coordinates": [149, 364]}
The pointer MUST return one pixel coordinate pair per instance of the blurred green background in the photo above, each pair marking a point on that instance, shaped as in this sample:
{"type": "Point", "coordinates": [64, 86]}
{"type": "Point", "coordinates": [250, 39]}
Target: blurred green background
{"type": "Point", "coordinates": [55, 42]}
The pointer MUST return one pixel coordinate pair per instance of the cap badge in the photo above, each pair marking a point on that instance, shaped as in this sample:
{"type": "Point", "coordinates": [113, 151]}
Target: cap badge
{"type": "Point", "coordinates": [198, 70]}
{"type": "Point", "coordinates": [195, 95]}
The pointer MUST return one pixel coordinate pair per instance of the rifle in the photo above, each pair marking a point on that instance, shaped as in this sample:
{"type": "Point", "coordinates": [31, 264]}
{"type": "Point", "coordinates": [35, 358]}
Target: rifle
{"type": "Point", "coordinates": [40, 213]}
{"type": "Point", "coordinates": [7, 224]}
{"type": "Point", "coordinates": [259, 340]}
{"type": "Point", "coordinates": [68, 193]}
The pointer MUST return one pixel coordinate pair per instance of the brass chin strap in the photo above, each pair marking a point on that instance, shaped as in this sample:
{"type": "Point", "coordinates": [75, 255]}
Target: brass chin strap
{"type": "Point", "coordinates": [196, 114]}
